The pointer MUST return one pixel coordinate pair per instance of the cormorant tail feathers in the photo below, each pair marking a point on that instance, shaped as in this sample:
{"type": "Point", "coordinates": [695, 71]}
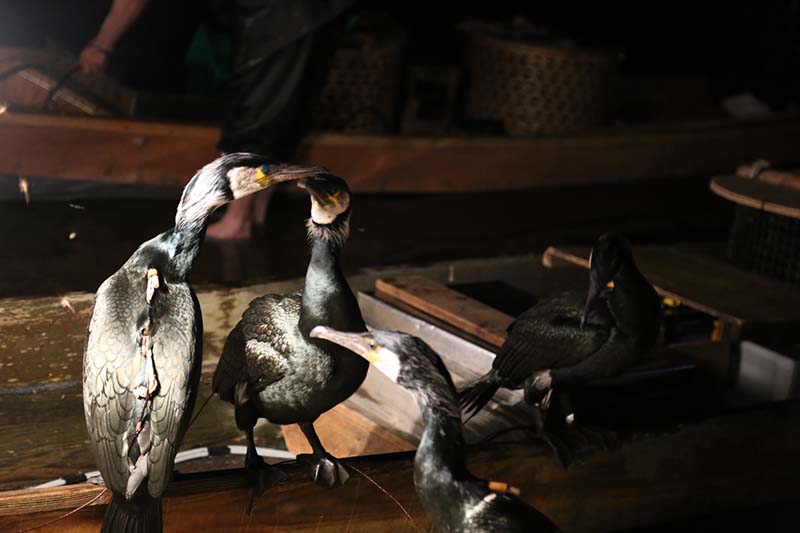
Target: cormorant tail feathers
{"type": "Point", "coordinates": [478, 393]}
{"type": "Point", "coordinates": [140, 514]}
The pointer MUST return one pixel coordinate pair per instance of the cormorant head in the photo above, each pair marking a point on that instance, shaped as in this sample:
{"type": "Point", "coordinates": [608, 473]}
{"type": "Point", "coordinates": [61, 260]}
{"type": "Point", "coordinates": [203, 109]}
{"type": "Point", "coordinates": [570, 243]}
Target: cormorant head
{"type": "Point", "coordinates": [233, 176]}
{"type": "Point", "coordinates": [609, 253]}
{"type": "Point", "coordinates": [405, 359]}
{"type": "Point", "coordinates": [330, 206]}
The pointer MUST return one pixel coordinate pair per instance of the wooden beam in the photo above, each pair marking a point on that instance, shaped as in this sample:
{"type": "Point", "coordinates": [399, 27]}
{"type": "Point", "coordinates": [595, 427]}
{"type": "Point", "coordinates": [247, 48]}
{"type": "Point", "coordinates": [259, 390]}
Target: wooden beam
{"type": "Point", "coordinates": [160, 153]}
{"type": "Point", "coordinates": [462, 164]}
{"type": "Point", "coordinates": [647, 481]}
{"type": "Point", "coordinates": [110, 150]}
{"type": "Point", "coordinates": [699, 276]}
{"type": "Point", "coordinates": [447, 305]}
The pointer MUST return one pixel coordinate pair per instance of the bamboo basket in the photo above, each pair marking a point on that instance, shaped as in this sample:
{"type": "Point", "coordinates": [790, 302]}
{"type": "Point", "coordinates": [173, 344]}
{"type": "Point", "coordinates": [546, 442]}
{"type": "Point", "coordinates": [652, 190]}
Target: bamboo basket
{"type": "Point", "coordinates": [361, 92]}
{"type": "Point", "coordinates": [534, 84]}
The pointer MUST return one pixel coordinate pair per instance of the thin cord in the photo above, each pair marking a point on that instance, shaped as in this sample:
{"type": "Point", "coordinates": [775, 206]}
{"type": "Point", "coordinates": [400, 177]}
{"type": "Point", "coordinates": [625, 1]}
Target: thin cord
{"type": "Point", "coordinates": [63, 516]}
{"type": "Point", "coordinates": [400, 505]}
{"type": "Point", "coordinates": [201, 410]}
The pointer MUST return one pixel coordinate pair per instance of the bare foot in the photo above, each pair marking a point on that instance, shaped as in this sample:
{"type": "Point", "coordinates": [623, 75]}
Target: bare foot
{"type": "Point", "coordinates": [261, 201]}
{"type": "Point", "coordinates": [236, 223]}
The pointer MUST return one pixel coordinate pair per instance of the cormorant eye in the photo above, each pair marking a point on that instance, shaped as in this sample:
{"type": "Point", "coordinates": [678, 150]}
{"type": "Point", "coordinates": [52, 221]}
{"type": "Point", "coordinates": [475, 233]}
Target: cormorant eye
{"type": "Point", "coordinates": [265, 169]}
{"type": "Point", "coordinates": [371, 345]}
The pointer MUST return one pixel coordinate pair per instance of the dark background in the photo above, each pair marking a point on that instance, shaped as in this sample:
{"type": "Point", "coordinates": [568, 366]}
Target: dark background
{"type": "Point", "coordinates": [739, 47]}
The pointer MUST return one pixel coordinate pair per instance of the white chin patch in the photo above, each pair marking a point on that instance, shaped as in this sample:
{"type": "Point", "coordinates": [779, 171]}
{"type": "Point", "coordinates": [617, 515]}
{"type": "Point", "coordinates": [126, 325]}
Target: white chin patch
{"type": "Point", "coordinates": [388, 363]}
{"type": "Point", "coordinates": [325, 214]}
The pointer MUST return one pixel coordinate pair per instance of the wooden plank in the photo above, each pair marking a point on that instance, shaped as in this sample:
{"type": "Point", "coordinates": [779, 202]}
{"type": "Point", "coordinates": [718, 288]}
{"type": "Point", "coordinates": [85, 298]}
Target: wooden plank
{"type": "Point", "coordinates": [757, 194]}
{"type": "Point", "coordinates": [699, 276]}
{"type": "Point", "coordinates": [104, 149]}
{"type": "Point", "coordinates": [646, 481]}
{"type": "Point", "coordinates": [346, 433]}
{"type": "Point", "coordinates": [450, 306]}
{"type": "Point", "coordinates": [420, 164]}
{"type": "Point", "coordinates": [160, 153]}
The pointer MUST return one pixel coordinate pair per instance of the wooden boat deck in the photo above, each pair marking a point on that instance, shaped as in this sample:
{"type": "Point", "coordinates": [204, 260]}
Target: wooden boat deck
{"type": "Point", "coordinates": [675, 472]}
{"type": "Point", "coordinates": [678, 475]}
{"type": "Point", "coordinates": [698, 275]}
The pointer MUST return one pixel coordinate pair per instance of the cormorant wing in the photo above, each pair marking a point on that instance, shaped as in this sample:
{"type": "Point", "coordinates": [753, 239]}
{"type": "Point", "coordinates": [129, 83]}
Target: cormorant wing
{"type": "Point", "coordinates": [113, 371]}
{"type": "Point", "coordinates": [109, 377]}
{"type": "Point", "coordinates": [254, 350]}
{"type": "Point", "coordinates": [177, 354]}
{"type": "Point", "coordinates": [268, 327]}
{"type": "Point", "coordinates": [548, 335]}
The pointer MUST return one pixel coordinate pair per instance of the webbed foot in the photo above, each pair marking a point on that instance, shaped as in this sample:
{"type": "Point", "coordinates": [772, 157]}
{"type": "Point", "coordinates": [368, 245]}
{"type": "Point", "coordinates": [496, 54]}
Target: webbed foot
{"type": "Point", "coordinates": [327, 470]}
{"type": "Point", "coordinates": [572, 441]}
{"type": "Point", "coordinates": [96, 479]}
{"type": "Point", "coordinates": [260, 476]}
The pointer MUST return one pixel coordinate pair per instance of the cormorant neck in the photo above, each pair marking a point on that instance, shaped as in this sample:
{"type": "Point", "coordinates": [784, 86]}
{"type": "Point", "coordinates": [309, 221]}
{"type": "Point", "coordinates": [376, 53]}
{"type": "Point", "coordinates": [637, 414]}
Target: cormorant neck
{"type": "Point", "coordinates": [327, 298]}
{"type": "Point", "coordinates": [186, 248]}
{"type": "Point", "coordinates": [191, 218]}
{"type": "Point", "coordinates": [204, 193]}
{"type": "Point", "coordinates": [631, 298]}
{"type": "Point", "coordinates": [172, 253]}
{"type": "Point", "coordinates": [440, 457]}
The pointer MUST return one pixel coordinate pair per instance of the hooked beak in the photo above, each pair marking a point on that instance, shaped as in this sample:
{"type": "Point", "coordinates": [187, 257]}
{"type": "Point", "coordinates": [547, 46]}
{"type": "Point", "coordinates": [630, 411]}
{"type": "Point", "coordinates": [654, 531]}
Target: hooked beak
{"type": "Point", "coordinates": [358, 343]}
{"type": "Point", "coordinates": [247, 180]}
{"type": "Point", "coordinates": [310, 184]}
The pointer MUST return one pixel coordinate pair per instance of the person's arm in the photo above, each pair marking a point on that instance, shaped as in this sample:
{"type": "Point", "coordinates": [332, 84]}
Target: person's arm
{"type": "Point", "coordinates": [121, 16]}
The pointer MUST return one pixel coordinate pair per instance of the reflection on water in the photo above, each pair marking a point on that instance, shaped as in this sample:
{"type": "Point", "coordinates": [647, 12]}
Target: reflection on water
{"type": "Point", "coordinates": [52, 247]}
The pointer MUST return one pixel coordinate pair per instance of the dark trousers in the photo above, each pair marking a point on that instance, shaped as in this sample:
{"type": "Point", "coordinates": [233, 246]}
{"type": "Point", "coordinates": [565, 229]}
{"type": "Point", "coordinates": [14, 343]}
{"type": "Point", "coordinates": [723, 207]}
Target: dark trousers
{"type": "Point", "coordinates": [270, 100]}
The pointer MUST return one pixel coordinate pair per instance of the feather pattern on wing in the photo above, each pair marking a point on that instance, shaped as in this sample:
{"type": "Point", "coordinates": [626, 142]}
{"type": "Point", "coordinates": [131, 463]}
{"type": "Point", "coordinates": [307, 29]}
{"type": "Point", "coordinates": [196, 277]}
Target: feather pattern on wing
{"type": "Point", "coordinates": [114, 369]}
{"type": "Point", "coordinates": [548, 336]}
{"type": "Point", "coordinates": [256, 348]}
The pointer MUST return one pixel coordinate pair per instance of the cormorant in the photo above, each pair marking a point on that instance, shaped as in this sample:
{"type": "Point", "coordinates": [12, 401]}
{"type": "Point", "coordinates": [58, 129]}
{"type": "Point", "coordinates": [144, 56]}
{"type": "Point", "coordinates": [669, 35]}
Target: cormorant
{"type": "Point", "coordinates": [454, 498]}
{"type": "Point", "coordinates": [563, 341]}
{"type": "Point", "coordinates": [142, 354]}
{"type": "Point", "coordinates": [270, 367]}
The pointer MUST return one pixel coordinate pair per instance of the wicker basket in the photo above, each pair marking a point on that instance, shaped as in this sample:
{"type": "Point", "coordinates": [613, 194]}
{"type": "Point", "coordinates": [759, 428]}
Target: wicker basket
{"type": "Point", "coordinates": [361, 92]}
{"type": "Point", "coordinates": [535, 87]}
{"type": "Point", "coordinates": [766, 243]}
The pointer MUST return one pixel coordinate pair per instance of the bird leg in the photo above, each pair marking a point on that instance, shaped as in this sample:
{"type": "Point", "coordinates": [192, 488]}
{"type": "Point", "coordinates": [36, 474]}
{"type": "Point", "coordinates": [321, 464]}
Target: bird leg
{"type": "Point", "coordinates": [260, 476]}
{"type": "Point", "coordinates": [537, 389]}
{"type": "Point", "coordinates": [328, 471]}
{"type": "Point", "coordinates": [567, 438]}
{"type": "Point", "coordinates": [553, 429]}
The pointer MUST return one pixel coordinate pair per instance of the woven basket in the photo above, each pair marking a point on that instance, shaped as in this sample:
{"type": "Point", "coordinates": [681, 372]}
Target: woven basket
{"type": "Point", "coordinates": [361, 92]}
{"type": "Point", "coordinates": [536, 88]}
{"type": "Point", "coordinates": [766, 243]}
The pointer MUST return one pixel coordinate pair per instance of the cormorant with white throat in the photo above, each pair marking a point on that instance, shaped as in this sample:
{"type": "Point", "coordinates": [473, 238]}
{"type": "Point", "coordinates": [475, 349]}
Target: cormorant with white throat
{"type": "Point", "coordinates": [271, 368]}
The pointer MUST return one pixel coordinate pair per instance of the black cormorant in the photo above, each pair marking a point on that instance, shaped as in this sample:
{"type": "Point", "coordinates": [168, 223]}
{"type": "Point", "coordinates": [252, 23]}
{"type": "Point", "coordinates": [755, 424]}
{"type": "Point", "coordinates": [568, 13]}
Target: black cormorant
{"type": "Point", "coordinates": [270, 367]}
{"type": "Point", "coordinates": [563, 340]}
{"type": "Point", "coordinates": [454, 498]}
{"type": "Point", "coordinates": [142, 355]}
